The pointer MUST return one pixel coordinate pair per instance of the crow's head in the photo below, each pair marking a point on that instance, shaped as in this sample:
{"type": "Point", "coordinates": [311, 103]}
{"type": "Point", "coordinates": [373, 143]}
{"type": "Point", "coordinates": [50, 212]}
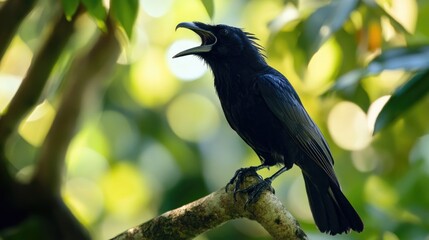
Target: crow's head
{"type": "Point", "coordinates": [220, 42]}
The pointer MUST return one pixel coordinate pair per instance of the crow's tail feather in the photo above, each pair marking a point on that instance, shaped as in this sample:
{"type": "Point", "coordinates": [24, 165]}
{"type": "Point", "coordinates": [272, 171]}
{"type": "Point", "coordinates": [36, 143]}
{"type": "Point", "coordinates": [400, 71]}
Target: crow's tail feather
{"type": "Point", "coordinates": [331, 210]}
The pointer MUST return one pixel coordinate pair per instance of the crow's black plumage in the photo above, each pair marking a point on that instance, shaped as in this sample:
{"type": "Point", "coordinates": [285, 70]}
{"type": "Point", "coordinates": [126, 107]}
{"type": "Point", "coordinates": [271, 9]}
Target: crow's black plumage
{"type": "Point", "coordinates": [263, 108]}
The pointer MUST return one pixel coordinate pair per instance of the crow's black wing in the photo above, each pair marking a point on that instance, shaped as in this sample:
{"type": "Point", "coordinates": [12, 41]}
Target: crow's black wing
{"type": "Point", "coordinates": [283, 101]}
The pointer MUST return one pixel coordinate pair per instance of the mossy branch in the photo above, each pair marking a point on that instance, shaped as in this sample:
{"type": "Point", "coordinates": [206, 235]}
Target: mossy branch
{"type": "Point", "coordinates": [212, 210]}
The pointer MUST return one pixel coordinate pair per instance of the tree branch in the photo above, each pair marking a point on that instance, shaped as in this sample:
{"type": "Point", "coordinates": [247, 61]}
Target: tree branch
{"type": "Point", "coordinates": [83, 78]}
{"type": "Point", "coordinates": [32, 86]}
{"type": "Point", "coordinates": [11, 15]}
{"type": "Point", "coordinates": [212, 210]}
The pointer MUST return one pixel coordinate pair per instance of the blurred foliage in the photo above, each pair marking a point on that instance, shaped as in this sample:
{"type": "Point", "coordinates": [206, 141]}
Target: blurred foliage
{"type": "Point", "coordinates": [158, 138]}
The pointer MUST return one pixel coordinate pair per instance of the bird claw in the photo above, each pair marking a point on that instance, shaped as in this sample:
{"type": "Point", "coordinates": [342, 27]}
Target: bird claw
{"type": "Point", "coordinates": [255, 191]}
{"type": "Point", "coordinates": [239, 177]}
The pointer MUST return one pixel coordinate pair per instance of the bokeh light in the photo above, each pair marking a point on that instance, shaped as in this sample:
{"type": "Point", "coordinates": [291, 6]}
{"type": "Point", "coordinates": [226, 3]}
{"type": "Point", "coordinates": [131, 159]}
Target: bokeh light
{"type": "Point", "coordinates": [348, 126]}
{"type": "Point", "coordinates": [151, 84]}
{"type": "Point", "coordinates": [125, 186]}
{"type": "Point", "coordinates": [157, 163]}
{"type": "Point", "coordinates": [85, 198]}
{"type": "Point", "coordinates": [379, 193]}
{"type": "Point", "coordinates": [390, 236]}
{"type": "Point", "coordinates": [159, 129]}
{"type": "Point", "coordinates": [133, 50]}
{"type": "Point", "coordinates": [365, 160]}
{"type": "Point", "coordinates": [122, 140]}
{"type": "Point", "coordinates": [17, 58]}
{"type": "Point", "coordinates": [86, 162]}
{"type": "Point", "coordinates": [8, 86]}
{"type": "Point", "coordinates": [25, 174]}
{"type": "Point", "coordinates": [374, 110]}
{"type": "Point", "coordinates": [323, 65]}
{"type": "Point", "coordinates": [188, 67]}
{"type": "Point", "coordinates": [37, 124]}
{"type": "Point", "coordinates": [156, 8]}
{"type": "Point", "coordinates": [89, 142]}
{"type": "Point", "coordinates": [225, 150]}
{"type": "Point", "coordinates": [193, 117]}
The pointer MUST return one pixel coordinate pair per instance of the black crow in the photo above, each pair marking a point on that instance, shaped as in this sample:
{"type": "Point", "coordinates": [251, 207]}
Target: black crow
{"type": "Point", "coordinates": [261, 105]}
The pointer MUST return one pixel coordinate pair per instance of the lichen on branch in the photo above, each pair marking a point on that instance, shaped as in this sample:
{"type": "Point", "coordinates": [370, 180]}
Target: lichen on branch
{"type": "Point", "coordinates": [215, 209]}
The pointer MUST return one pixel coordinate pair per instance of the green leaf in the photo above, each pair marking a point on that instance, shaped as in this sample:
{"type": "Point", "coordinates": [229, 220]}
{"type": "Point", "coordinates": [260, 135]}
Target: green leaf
{"type": "Point", "coordinates": [349, 88]}
{"type": "Point", "coordinates": [403, 99]}
{"type": "Point", "coordinates": [324, 22]}
{"type": "Point", "coordinates": [209, 5]}
{"type": "Point", "coordinates": [349, 81]}
{"type": "Point", "coordinates": [409, 58]}
{"type": "Point", "coordinates": [125, 12]}
{"type": "Point", "coordinates": [70, 7]}
{"type": "Point", "coordinates": [96, 9]}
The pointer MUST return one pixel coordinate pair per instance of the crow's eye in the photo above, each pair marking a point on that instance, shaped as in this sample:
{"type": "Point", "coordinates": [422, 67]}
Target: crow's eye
{"type": "Point", "coordinates": [224, 32]}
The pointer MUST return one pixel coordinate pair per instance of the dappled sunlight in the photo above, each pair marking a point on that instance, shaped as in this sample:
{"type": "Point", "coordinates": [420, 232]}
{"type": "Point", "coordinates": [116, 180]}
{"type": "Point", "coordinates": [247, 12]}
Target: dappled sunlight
{"type": "Point", "coordinates": [37, 124]}
{"type": "Point", "coordinates": [348, 126]}
{"type": "Point", "coordinates": [193, 117]}
{"type": "Point", "coordinates": [156, 129]}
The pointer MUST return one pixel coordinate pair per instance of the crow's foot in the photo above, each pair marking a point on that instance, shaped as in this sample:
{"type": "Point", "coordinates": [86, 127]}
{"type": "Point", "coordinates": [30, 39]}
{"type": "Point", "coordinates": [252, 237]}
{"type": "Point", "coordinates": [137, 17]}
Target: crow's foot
{"type": "Point", "coordinates": [239, 177]}
{"type": "Point", "coordinates": [255, 191]}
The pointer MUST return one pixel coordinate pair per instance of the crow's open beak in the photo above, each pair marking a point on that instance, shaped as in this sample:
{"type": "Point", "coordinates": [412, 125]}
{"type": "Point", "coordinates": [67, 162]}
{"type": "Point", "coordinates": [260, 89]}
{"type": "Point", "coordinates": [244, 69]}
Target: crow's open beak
{"type": "Point", "coordinates": [208, 39]}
